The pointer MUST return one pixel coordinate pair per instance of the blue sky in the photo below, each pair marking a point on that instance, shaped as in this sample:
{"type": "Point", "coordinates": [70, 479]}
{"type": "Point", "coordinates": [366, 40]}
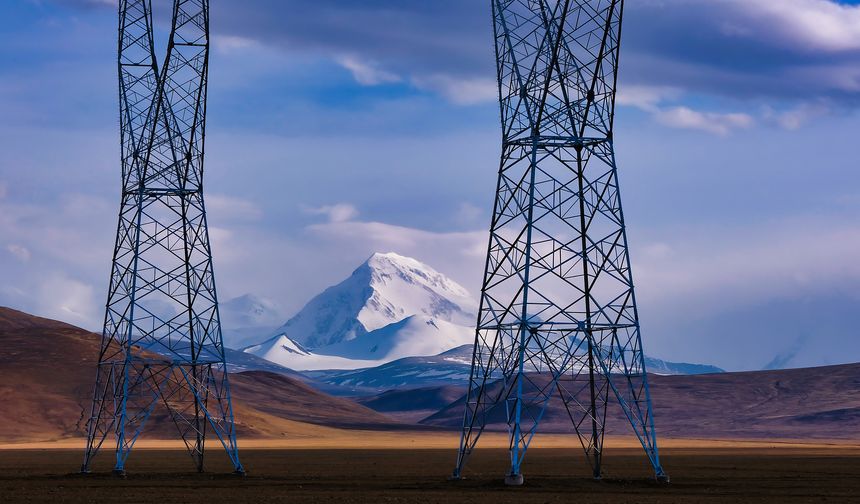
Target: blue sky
{"type": "Point", "coordinates": [340, 128]}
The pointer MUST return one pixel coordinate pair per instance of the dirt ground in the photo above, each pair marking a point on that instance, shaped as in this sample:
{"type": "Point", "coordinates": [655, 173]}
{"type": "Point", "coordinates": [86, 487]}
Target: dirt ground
{"type": "Point", "coordinates": [706, 473]}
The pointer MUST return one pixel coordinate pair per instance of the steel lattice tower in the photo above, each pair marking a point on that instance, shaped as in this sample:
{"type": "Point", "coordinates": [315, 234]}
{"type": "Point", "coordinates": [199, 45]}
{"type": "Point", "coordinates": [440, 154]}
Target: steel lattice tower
{"type": "Point", "coordinates": [558, 315]}
{"type": "Point", "coordinates": [162, 335]}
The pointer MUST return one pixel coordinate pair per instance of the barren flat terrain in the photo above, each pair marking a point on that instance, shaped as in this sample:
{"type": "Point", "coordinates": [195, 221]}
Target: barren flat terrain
{"type": "Point", "coordinates": [712, 472]}
{"type": "Point", "coordinates": [787, 443]}
{"type": "Point", "coordinates": [315, 437]}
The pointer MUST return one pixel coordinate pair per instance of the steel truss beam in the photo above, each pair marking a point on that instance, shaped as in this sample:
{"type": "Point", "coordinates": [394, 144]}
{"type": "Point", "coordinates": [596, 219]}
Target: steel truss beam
{"type": "Point", "coordinates": [558, 317]}
{"type": "Point", "coordinates": [162, 341]}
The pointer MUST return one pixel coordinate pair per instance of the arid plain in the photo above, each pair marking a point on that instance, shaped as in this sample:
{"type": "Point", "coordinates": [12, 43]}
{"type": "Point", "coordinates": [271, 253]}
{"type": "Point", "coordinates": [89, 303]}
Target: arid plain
{"type": "Point", "coordinates": [302, 445]}
{"type": "Point", "coordinates": [706, 473]}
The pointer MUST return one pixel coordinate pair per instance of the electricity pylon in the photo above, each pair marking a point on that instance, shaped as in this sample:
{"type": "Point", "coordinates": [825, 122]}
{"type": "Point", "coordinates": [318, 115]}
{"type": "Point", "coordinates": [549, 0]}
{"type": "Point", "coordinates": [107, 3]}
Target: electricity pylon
{"type": "Point", "coordinates": [162, 335]}
{"type": "Point", "coordinates": [558, 314]}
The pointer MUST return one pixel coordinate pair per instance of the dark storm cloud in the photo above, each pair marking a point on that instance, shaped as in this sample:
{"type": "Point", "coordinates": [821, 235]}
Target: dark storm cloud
{"type": "Point", "coordinates": [450, 36]}
{"type": "Point", "coordinates": [797, 49]}
{"type": "Point", "coordinates": [792, 49]}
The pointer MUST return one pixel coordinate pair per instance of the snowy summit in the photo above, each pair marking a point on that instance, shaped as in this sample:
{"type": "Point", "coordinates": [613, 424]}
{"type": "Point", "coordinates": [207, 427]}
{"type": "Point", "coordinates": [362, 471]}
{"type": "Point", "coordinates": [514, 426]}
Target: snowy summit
{"type": "Point", "coordinates": [391, 306]}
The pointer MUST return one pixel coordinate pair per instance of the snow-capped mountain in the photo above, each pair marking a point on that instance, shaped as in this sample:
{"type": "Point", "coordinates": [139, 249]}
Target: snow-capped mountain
{"type": "Point", "coordinates": [246, 319]}
{"type": "Point", "coordinates": [387, 288]}
{"type": "Point", "coordinates": [282, 350]}
{"type": "Point", "coordinates": [414, 335]}
{"type": "Point", "coordinates": [661, 367]}
{"type": "Point", "coordinates": [389, 308]}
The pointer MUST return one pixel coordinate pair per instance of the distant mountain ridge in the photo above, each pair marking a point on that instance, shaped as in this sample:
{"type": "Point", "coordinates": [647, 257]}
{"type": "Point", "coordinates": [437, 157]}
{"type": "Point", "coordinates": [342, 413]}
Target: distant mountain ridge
{"type": "Point", "coordinates": [394, 322]}
{"type": "Point", "coordinates": [447, 368]}
{"type": "Point", "coordinates": [451, 367]}
{"type": "Point", "coordinates": [805, 403]}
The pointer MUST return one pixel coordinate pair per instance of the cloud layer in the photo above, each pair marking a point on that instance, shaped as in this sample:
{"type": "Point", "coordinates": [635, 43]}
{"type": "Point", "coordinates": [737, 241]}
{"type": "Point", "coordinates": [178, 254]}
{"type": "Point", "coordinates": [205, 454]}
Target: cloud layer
{"type": "Point", "coordinates": [337, 129]}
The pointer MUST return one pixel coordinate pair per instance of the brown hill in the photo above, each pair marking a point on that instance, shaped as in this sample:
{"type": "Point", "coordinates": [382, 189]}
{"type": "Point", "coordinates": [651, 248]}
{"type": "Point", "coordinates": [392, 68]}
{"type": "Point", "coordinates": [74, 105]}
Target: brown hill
{"type": "Point", "coordinates": [47, 369]}
{"type": "Point", "coordinates": [820, 402]}
{"type": "Point", "coordinates": [46, 378]}
{"type": "Point", "coordinates": [414, 404]}
{"type": "Point", "coordinates": [817, 403]}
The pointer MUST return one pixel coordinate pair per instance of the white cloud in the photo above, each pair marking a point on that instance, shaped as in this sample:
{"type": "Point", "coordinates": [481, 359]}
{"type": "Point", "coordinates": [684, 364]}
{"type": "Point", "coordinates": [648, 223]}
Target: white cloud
{"type": "Point", "coordinates": [790, 50]}
{"type": "Point", "coordinates": [226, 208]}
{"type": "Point", "coordinates": [468, 213]}
{"type": "Point", "coordinates": [796, 117]}
{"type": "Point", "coordinates": [652, 99]}
{"type": "Point", "coordinates": [367, 73]}
{"type": "Point", "coordinates": [68, 299]}
{"type": "Point", "coordinates": [84, 206]}
{"type": "Point", "coordinates": [815, 25]}
{"type": "Point", "coordinates": [708, 270]}
{"type": "Point", "coordinates": [63, 249]}
{"type": "Point", "coordinates": [293, 267]}
{"type": "Point", "coordinates": [460, 90]}
{"type": "Point", "coordinates": [657, 251]}
{"type": "Point", "coordinates": [20, 252]}
{"type": "Point", "coordinates": [736, 296]}
{"type": "Point", "coordinates": [67, 234]}
{"type": "Point", "coordinates": [233, 44]}
{"type": "Point", "coordinates": [340, 212]}
{"type": "Point", "coordinates": [711, 122]}
{"type": "Point", "coordinates": [384, 235]}
{"type": "Point", "coordinates": [457, 254]}
{"type": "Point", "coordinates": [647, 98]}
{"type": "Point", "coordinates": [92, 3]}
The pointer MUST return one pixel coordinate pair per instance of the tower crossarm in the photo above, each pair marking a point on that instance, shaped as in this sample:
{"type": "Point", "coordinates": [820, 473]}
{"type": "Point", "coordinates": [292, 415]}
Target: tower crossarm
{"type": "Point", "coordinates": [557, 141]}
{"type": "Point", "coordinates": [557, 67]}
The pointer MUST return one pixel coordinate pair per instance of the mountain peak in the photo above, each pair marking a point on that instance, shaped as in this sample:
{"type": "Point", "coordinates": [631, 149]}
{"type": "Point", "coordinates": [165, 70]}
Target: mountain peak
{"type": "Point", "coordinates": [390, 266]}
{"type": "Point", "coordinates": [386, 288]}
{"type": "Point", "coordinates": [389, 255]}
{"type": "Point", "coordinates": [384, 261]}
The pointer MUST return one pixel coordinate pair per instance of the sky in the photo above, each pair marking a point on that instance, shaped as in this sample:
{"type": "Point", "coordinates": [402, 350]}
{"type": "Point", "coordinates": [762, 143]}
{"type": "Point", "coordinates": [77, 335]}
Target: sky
{"type": "Point", "coordinates": [337, 129]}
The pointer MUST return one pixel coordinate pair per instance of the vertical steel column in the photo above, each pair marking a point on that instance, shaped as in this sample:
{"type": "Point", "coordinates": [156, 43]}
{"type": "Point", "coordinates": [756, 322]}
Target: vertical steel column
{"type": "Point", "coordinates": [558, 318]}
{"type": "Point", "coordinates": [162, 342]}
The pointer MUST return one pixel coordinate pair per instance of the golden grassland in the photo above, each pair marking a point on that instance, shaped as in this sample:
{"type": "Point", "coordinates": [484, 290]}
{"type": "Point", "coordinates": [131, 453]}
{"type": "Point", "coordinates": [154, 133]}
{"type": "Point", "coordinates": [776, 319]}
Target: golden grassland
{"type": "Point", "coordinates": [302, 436]}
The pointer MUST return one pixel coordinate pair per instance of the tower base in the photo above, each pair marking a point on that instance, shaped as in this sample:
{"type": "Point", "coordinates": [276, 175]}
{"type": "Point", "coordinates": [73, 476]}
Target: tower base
{"type": "Point", "coordinates": [514, 480]}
